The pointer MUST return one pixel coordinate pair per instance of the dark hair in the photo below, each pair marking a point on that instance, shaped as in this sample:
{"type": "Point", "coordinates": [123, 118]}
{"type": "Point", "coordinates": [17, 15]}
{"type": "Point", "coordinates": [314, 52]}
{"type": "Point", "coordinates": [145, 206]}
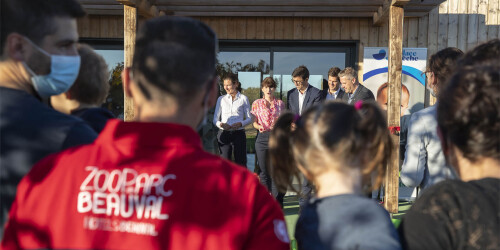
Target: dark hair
{"type": "Point", "coordinates": [443, 63]}
{"type": "Point", "coordinates": [488, 52]}
{"type": "Point", "coordinates": [301, 71]}
{"type": "Point", "coordinates": [234, 79]}
{"type": "Point", "coordinates": [468, 111]}
{"type": "Point", "coordinates": [91, 86]}
{"type": "Point", "coordinates": [34, 18]}
{"type": "Point", "coordinates": [334, 72]}
{"type": "Point", "coordinates": [268, 82]}
{"type": "Point", "coordinates": [330, 132]}
{"type": "Point", "coordinates": [176, 55]}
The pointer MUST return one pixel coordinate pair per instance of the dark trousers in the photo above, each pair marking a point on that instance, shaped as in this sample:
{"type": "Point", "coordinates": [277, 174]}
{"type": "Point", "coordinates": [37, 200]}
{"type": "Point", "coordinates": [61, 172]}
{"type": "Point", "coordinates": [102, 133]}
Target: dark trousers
{"type": "Point", "coordinates": [233, 141]}
{"type": "Point", "coordinates": [262, 150]}
{"type": "Point", "coordinates": [305, 193]}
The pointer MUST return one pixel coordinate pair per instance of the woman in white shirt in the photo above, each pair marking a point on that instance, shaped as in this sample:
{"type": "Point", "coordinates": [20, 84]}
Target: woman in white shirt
{"type": "Point", "coordinates": [232, 114]}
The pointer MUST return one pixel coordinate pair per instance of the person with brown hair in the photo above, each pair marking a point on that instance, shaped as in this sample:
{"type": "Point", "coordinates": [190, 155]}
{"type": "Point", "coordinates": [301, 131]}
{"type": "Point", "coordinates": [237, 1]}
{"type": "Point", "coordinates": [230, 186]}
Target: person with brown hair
{"type": "Point", "coordinates": [337, 147]}
{"type": "Point", "coordinates": [266, 111]}
{"type": "Point", "coordinates": [333, 91]}
{"type": "Point", "coordinates": [89, 91]}
{"type": "Point", "coordinates": [464, 213]}
{"type": "Point", "coordinates": [232, 114]}
{"type": "Point", "coordinates": [424, 163]}
{"type": "Point", "coordinates": [298, 100]}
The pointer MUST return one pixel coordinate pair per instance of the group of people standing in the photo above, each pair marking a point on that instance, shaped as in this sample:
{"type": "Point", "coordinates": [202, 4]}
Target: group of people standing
{"type": "Point", "coordinates": [233, 113]}
{"type": "Point", "coordinates": [148, 183]}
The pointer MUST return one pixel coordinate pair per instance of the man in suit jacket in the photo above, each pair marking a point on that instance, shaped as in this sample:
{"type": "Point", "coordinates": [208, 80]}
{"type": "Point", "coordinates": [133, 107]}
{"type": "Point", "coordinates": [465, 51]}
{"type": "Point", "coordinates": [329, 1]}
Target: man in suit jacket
{"type": "Point", "coordinates": [354, 91]}
{"type": "Point", "coordinates": [304, 95]}
{"type": "Point", "coordinates": [333, 91]}
{"type": "Point", "coordinates": [300, 99]}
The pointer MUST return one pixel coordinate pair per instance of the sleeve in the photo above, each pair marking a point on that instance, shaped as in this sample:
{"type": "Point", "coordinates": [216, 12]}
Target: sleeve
{"type": "Point", "coordinates": [217, 113]}
{"type": "Point", "coordinates": [268, 229]}
{"type": "Point", "coordinates": [413, 169]}
{"type": "Point", "coordinates": [319, 98]}
{"type": "Point", "coordinates": [248, 116]}
{"type": "Point", "coordinates": [79, 134]}
{"type": "Point", "coordinates": [288, 100]}
{"type": "Point", "coordinates": [21, 229]}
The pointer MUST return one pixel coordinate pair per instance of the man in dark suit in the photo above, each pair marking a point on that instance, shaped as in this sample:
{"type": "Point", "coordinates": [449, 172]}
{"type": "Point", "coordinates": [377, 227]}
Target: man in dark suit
{"type": "Point", "coordinates": [304, 95]}
{"type": "Point", "coordinates": [333, 91]}
{"type": "Point", "coordinates": [298, 100]}
{"type": "Point", "coordinates": [354, 91]}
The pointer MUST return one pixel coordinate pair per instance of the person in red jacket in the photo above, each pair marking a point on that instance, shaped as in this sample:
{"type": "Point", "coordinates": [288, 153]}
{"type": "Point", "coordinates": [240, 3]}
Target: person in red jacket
{"type": "Point", "coordinates": [148, 184]}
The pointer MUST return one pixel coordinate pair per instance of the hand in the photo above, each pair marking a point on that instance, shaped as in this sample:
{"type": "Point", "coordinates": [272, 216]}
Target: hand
{"type": "Point", "coordinates": [225, 126]}
{"type": "Point", "coordinates": [236, 125]}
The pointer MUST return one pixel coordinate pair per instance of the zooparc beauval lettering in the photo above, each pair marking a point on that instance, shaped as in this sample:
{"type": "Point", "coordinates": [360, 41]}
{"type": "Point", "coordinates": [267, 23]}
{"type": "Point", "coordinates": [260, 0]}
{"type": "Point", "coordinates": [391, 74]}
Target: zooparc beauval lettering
{"type": "Point", "coordinates": [124, 193]}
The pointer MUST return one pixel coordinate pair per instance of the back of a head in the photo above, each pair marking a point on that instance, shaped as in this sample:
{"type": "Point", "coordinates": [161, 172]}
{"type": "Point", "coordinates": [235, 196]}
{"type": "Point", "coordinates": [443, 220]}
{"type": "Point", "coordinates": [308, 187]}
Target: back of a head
{"type": "Point", "coordinates": [91, 86]}
{"type": "Point", "coordinates": [469, 112]}
{"type": "Point", "coordinates": [485, 53]}
{"type": "Point", "coordinates": [34, 18]}
{"type": "Point", "coordinates": [176, 55]}
{"type": "Point", "coordinates": [332, 132]}
{"type": "Point", "coordinates": [443, 63]}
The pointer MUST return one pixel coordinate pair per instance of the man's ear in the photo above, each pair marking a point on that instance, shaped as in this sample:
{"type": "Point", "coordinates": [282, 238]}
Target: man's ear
{"type": "Point", "coordinates": [15, 47]}
{"type": "Point", "coordinates": [126, 82]}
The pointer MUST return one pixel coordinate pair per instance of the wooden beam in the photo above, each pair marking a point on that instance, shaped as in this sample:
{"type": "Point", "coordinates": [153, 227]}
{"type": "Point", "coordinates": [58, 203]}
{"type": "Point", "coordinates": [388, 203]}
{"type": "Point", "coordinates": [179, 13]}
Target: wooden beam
{"type": "Point", "coordinates": [268, 2]}
{"type": "Point", "coordinates": [130, 29]}
{"type": "Point", "coordinates": [209, 8]}
{"type": "Point", "coordinates": [396, 19]}
{"type": "Point", "coordinates": [380, 17]}
{"type": "Point", "coordinates": [144, 7]}
{"type": "Point", "coordinates": [272, 14]}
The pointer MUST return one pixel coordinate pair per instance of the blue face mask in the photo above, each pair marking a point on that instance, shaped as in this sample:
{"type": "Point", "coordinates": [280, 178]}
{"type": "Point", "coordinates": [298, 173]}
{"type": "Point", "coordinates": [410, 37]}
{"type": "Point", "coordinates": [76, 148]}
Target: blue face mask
{"type": "Point", "coordinates": [63, 73]}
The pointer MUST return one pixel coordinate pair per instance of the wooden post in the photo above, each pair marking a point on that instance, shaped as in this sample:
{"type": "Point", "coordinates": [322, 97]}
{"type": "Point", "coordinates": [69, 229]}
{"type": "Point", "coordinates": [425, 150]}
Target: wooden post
{"type": "Point", "coordinates": [396, 17]}
{"type": "Point", "coordinates": [130, 27]}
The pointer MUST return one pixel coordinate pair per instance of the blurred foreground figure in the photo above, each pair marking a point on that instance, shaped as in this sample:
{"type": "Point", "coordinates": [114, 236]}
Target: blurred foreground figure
{"type": "Point", "coordinates": [464, 214]}
{"type": "Point", "coordinates": [38, 60]}
{"type": "Point", "coordinates": [89, 92]}
{"type": "Point", "coordinates": [149, 184]}
{"type": "Point", "coordinates": [338, 147]}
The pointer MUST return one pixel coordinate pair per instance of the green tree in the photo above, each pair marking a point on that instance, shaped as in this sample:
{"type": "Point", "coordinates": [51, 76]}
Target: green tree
{"type": "Point", "coordinates": [115, 102]}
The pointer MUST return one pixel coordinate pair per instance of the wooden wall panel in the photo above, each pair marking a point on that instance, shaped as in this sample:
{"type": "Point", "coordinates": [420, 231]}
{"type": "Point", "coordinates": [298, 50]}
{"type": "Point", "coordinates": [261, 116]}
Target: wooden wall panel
{"type": "Point", "coordinates": [432, 35]}
{"type": "Point", "coordinates": [405, 32]}
{"type": "Point", "coordinates": [269, 28]}
{"type": "Point", "coordinates": [326, 29]}
{"type": "Point", "coordinates": [288, 29]}
{"type": "Point", "coordinates": [344, 28]}
{"type": "Point", "coordinates": [453, 22]}
{"type": "Point", "coordinates": [462, 25]}
{"type": "Point", "coordinates": [472, 30]}
{"type": "Point", "coordinates": [412, 32]}
{"type": "Point", "coordinates": [423, 30]}
{"type": "Point", "coordinates": [493, 17]}
{"type": "Point", "coordinates": [279, 28]}
{"type": "Point", "coordinates": [316, 28]}
{"type": "Point", "coordinates": [443, 26]}
{"type": "Point", "coordinates": [336, 29]}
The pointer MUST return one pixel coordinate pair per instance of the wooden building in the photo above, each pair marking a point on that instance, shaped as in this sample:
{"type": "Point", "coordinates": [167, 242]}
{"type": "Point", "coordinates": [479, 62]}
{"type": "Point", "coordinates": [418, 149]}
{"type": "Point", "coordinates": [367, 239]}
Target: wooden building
{"type": "Point", "coordinates": [334, 27]}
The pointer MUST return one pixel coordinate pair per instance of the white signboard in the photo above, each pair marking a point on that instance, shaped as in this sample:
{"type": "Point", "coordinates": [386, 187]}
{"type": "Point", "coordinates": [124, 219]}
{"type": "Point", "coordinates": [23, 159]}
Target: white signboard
{"type": "Point", "coordinates": [375, 67]}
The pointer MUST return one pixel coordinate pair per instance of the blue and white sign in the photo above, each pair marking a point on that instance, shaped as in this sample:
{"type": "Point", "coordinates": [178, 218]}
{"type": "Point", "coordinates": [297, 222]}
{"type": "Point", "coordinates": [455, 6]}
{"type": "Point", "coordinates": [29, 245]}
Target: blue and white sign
{"type": "Point", "coordinates": [375, 67]}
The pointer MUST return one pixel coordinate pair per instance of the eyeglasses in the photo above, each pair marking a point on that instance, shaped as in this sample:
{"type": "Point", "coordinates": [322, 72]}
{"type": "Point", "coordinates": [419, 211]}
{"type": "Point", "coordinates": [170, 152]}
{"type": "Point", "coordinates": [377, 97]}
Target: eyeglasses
{"type": "Point", "coordinates": [298, 82]}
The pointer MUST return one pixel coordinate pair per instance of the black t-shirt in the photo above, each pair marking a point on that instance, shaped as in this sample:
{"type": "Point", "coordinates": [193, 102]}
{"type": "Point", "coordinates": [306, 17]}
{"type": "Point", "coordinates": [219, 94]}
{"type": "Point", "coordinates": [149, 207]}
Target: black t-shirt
{"type": "Point", "coordinates": [95, 117]}
{"type": "Point", "coordinates": [454, 215]}
{"type": "Point", "coordinates": [29, 131]}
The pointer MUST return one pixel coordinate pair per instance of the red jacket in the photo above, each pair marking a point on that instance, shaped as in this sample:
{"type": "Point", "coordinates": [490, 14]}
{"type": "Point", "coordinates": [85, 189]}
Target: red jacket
{"type": "Point", "coordinates": [143, 186]}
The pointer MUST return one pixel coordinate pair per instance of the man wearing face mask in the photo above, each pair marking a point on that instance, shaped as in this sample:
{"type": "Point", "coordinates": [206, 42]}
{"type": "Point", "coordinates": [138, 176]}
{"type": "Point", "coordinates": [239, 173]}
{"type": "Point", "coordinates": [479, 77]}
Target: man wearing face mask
{"type": "Point", "coordinates": [38, 59]}
{"type": "Point", "coordinates": [149, 184]}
